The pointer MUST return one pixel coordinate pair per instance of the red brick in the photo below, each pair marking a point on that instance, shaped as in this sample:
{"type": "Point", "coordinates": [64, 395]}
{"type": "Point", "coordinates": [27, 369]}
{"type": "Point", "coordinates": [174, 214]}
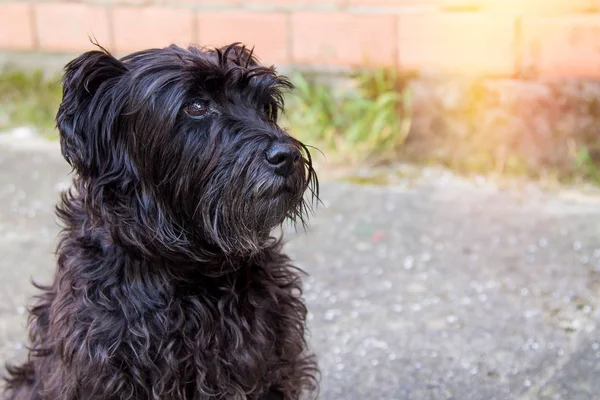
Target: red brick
{"type": "Point", "coordinates": [520, 6]}
{"type": "Point", "coordinates": [343, 39]}
{"type": "Point", "coordinates": [391, 3]}
{"type": "Point", "coordinates": [565, 46]}
{"type": "Point", "coordinates": [268, 32]}
{"type": "Point", "coordinates": [468, 44]}
{"type": "Point", "coordinates": [295, 3]}
{"type": "Point", "coordinates": [137, 2]}
{"type": "Point", "coordinates": [201, 3]}
{"type": "Point", "coordinates": [16, 29]}
{"type": "Point", "coordinates": [137, 28]}
{"type": "Point", "coordinates": [516, 6]}
{"type": "Point", "coordinates": [69, 26]}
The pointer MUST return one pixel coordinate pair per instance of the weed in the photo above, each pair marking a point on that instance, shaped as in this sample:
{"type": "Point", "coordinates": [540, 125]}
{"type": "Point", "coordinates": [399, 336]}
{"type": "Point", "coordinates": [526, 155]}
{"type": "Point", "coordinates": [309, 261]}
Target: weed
{"type": "Point", "coordinates": [28, 98]}
{"type": "Point", "coordinates": [368, 119]}
{"type": "Point", "coordinates": [365, 121]}
{"type": "Point", "coordinates": [586, 167]}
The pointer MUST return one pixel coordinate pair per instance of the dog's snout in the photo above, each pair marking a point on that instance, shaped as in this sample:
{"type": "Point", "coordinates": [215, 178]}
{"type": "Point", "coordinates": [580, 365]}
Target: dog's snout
{"type": "Point", "coordinates": [282, 158]}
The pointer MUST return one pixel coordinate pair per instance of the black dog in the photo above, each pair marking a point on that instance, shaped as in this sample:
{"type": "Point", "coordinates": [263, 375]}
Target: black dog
{"type": "Point", "coordinates": [169, 284]}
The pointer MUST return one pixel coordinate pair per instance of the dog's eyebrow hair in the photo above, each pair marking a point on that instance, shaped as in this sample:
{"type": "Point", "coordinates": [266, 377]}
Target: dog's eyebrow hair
{"type": "Point", "coordinates": [250, 57]}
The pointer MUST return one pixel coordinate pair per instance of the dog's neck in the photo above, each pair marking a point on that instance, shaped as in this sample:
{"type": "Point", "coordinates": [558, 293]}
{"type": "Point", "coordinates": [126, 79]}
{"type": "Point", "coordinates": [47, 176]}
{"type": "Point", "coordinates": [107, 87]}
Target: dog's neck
{"type": "Point", "coordinates": [132, 236]}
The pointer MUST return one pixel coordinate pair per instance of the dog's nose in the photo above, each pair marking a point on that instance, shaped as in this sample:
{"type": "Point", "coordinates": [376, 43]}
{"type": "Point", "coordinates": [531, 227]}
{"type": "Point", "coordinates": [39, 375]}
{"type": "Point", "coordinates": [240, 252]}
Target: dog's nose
{"type": "Point", "coordinates": [282, 158]}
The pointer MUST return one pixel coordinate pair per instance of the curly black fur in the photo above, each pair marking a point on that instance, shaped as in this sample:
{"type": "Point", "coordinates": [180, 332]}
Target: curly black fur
{"type": "Point", "coordinates": [169, 284]}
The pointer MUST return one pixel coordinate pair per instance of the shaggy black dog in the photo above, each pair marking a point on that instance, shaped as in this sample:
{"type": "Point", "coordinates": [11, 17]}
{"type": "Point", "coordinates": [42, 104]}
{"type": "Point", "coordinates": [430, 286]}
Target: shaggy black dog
{"type": "Point", "coordinates": [169, 284]}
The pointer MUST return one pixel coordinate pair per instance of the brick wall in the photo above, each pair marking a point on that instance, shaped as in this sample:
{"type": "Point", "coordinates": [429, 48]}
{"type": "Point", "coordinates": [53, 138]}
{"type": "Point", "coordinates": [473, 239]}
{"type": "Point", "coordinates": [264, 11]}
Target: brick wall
{"type": "Point", "coordinates": [505, 38]}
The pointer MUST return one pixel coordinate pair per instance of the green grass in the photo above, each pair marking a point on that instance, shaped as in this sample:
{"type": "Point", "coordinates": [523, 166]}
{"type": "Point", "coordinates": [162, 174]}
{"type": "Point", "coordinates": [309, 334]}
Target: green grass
{"type": "Point", "coordinates": [368, 120]}
{"type": "Point", "coordinates": [587, 168]}
{"type": "Point", "coordinates": [28, 99]}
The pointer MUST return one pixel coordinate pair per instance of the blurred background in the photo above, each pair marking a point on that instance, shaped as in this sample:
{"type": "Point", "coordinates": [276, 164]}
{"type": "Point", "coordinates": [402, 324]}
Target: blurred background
{"type": "Point", "coordinates": [456, 254]}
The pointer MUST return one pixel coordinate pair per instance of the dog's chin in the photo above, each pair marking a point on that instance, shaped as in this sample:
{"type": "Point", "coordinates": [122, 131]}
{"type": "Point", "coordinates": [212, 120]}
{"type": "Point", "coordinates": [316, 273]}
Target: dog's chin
{"type": "Point", "coordinates": [278, 208]}
{"type": "Point", "coordinates": [252, 233]}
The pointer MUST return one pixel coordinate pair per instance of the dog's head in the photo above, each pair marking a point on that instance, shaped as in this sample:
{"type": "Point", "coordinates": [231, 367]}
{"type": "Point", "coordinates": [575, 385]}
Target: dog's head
{"type": "Point", "coordinates": [188, 139]}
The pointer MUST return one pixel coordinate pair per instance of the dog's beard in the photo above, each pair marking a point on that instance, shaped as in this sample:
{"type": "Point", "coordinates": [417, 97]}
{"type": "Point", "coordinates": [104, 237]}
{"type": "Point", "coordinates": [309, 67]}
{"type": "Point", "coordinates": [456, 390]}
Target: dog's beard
{"type": "Point", "coordinates": [238, 215]}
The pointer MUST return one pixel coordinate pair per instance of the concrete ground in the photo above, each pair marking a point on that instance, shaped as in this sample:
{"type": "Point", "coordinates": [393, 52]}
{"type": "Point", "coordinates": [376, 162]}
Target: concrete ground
{"type": "Point", "coordinates": [430, 288]}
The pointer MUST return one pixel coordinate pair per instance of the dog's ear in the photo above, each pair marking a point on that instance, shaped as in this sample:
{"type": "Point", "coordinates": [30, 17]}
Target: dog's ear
{"type": "Point", "coordinates": [238, 54]}
{"type": "Point", "coordinates": [82, 118]}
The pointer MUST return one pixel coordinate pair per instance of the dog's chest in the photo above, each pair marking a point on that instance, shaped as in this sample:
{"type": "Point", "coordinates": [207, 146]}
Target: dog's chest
{"type": "Point", "coordinates": [222, 337]}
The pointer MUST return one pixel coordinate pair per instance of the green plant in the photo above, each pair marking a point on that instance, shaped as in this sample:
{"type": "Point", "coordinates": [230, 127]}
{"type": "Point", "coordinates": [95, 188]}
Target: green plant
{"type": "Point", "coordinates": [367, 120]}
{"type": "Point", "coordinates": [585, 165]}
{"type": "Point", "coordinates": [28, 98]}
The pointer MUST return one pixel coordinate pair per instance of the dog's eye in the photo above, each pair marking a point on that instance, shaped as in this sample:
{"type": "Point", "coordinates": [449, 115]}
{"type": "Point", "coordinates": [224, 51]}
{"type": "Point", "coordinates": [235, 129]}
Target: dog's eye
{"type": "Point", "coordinates": [196, 109]}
